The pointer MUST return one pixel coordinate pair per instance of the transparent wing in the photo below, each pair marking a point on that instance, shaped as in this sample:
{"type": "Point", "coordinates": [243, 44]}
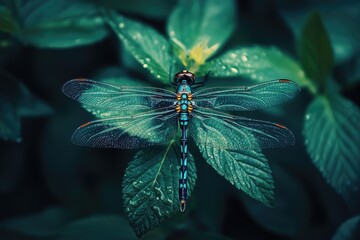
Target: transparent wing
{"type": "Point", "coordinates": [247, 98]}
{"type": "Point", "coordinates": [232, 132]}
{"type": "Point", "coordinates": [155, 127]}
{"type": "Point", "coordinates": [117, 98]}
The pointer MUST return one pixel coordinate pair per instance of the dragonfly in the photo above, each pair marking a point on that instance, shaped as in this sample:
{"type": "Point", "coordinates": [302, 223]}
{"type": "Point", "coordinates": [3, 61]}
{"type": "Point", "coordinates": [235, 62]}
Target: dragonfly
{"type": "Point", "coordinates": [147, 116]}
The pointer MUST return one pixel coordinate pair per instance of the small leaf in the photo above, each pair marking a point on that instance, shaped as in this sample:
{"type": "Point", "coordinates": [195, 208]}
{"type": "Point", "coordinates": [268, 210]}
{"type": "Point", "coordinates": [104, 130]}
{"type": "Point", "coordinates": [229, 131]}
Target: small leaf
{"type": "Point", "coordinates": [315, 51]}
{"type": "Point", "coordinates": [259, 64]}
{"type": "Point", "coordinates": [46, 223]}
{"type": "Point", "coordinates": [349, 230]}
{"type": "Point", "coordinates": [150, 186]}
{"type": "Point", "coordinates": [16, 101]}
{"type": "Point", "coordinates": [98, 227]}
{"type": "Point", "coordinates": [148, 46]}
{"type": "Point", "coordinates": [7, 21]}
{"type": "Point", "coordinates": [332, 134]}
{"type": "Point", "coordinates": [59, 23]}
{"type": "Point", "coordinates": [248, 170]}
{"type": "Point", "coordinates": [198, 29]}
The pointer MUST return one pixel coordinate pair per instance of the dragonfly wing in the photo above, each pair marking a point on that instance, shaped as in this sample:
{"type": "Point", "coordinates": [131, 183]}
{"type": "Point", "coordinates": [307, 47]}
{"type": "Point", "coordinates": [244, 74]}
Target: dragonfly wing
{"type": "Point", "coordinates": [232, 132]}
{"type": "Point", "coordinates": [117, 98]}
{"type": "Point", "coordinates": [129, 132]}
{"type": "Point", "coordinates": [247, 98]}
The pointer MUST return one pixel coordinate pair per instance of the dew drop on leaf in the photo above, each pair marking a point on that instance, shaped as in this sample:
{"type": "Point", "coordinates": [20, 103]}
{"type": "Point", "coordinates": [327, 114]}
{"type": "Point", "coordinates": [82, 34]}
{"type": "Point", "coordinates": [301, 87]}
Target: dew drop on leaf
{"type": "Point", "coordinates": [121, 25]}
{"type": "Point", "coordinates": [244, 58]}
{"type": "Point", "coordinates": [234, 70]}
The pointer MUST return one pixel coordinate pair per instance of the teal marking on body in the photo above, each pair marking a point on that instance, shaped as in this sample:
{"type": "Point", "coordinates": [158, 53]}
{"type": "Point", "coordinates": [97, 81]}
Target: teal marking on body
{"type": "Point", "coordinates": [185, 173]}
{"type": "Point", "coordinates": [185, 161]}
{"type": "Point", "coordinates": [181, 175]}
{"type": "Point", "coordinates": [181, 185]}
{"type": "Point", "coordinates": [183, 107]}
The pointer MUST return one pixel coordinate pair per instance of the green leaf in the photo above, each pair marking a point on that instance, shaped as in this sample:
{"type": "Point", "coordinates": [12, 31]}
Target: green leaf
{"type": "Point", "coordinates": [150, 186]}
{"type": "Point", "coordinates": [259, 64]}
{"type": "Point", "coordinates": [247, 170]}
{"type": "Point", "coordinates": [349, 230]}
{"type": "Point", "coordinates": [332, 134]}
{"type": "Point", "coordinates": [315, 51]}
{"type": "Point", "coordinates": [149, 47]}
{"type": "Point", "coordinates": [7, 21]}
{"type": "Point", "coordinates": [46, 223]}
{"type": "Point", "coordinates": [59, 23]}
{"type": "Point", "coordinates": [17, 101]}
{"type": "Point", "coordinates": [197, 29]}
{"type": "Point", "coordinates": [98, 227]}
{"type": "Point", "coordinates": [345, 40]}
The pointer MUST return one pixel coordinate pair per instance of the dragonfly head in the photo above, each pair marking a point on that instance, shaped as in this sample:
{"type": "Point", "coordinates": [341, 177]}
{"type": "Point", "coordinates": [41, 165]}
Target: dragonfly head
{"type": "Point", "coordinates": [184, 77]}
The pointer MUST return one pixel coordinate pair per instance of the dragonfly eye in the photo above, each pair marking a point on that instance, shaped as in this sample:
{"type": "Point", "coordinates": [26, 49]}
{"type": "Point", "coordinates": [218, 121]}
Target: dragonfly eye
{"type": "Point", "coordinates": [184, 75]}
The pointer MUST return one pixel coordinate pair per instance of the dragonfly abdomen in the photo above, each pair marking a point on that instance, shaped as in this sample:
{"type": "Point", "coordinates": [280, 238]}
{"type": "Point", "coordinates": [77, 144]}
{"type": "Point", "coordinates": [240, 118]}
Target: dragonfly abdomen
{"type": "Point", "coordinates": [184, 107]}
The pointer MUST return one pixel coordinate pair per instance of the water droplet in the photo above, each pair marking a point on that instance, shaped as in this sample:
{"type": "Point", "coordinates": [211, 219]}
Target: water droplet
{"type": "Point", "coordinates": [147, 60]}
{"type": "Point", "coordinates": [158, 76]}
{"type": "Point", "coordinates": [157, 198]}
{"type": "Point", "coordinates": [233, 55]}
{"type": "Point", "coordinates": [145, 65]}
{"type": "Point", "coordinates": [244, 58]}
{"type": "Point", "coordinates": [121, 25]}
{"type": "Point", "coordinates": [172, 33]}
{"type": "Point", "coordinates": [234, 70]}
{"type": "Point", "coordinates": [253, 75]}
{"type": "Point", "coordinates": [307, 116]}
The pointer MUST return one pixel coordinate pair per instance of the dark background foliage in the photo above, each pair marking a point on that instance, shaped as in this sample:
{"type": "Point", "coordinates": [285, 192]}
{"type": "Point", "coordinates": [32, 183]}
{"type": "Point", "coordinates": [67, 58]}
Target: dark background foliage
{"type": "Point", "coordinates": [51, 189]}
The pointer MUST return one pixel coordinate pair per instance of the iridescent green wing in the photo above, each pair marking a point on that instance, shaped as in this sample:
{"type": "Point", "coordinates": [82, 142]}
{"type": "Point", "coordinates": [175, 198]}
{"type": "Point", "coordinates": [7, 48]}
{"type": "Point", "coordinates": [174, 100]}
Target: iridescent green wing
{"type": "Point", "coordinates": [225, 131]}
{"type": "Point", "coordinates": [119, 99]}
{"type": "Point", "coordinates": [155, 127]}
{"type": "Point", "coordinates": [247, 98]}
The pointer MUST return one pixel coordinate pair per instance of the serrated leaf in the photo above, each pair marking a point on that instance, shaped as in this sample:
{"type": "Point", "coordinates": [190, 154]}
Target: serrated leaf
{"type": "Point", "coordinates": [259, 64]}
{"type": "Point", "coordinates": [150, 186]}
{"type": "Point", "coordinates": [349, 230]}
{"type": "Point", "coordinates": [46, 223]}
{"type": "Point", "coordinates": [59, 23]}
{"type": "Point", "coordinates": [197, 29]}
{"type": "Point", "coordinates": [98, 227]}
{"type": "Point", "coordinates": [315, 50]}
{"type": "Point", "coordinates": [332, 134]}
{"type": "Point", "coordinates": [149, 47]}
{"type": "Point", "coordinates": [7, 21]}
{"type": "Point", "coordinates": [247, 170]}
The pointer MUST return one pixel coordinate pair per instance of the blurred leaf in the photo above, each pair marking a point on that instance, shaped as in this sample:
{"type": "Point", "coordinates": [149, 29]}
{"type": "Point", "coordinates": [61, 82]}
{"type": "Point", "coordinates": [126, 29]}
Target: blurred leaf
{"type": "Point", "coordinates": [16, 101]}
{"type": "Point", "coordinates": [46, 223]}
{"type": "Point", "coordinates": [7, 21]}
{"type": "Point", "coordinates": [259, 64]}
{"type": "Point", "coordinates": [248, 170]}
{"type": "Point", "coordinates": [149, 47]}
{"type": "Point", "coordinates": [291, 212]}
{"type": "Point", "coordinates": [332, 134]}
{"type": "Point", "coordinates": [349, 230]}
{"type": "Point", "coordinates": [155, 9]}
{"type": "Point", "coordinates": [197, 29]}
{"type": "Point", "coordinates": [315, 51]}
{"type": "Point", "coordinates": [150, 186]}
{"type": "Point", "coordinates": [98, 227]}
{"type": "Point", "coordinates": [345, 40]}
{"type": "Point", "coordinates": [59, 23]}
